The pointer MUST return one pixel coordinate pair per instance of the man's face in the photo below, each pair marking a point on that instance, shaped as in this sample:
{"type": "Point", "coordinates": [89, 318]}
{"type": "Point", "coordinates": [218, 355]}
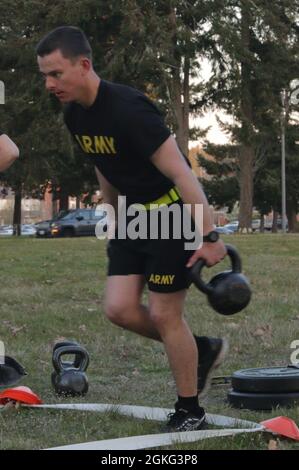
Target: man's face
{"type": "Point", "coordinates": [63, 77]}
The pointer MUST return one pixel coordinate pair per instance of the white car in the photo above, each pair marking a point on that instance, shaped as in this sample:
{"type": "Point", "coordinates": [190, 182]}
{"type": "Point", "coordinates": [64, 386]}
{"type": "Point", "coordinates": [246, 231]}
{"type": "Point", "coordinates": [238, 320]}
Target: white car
{"type": "Point", "coordinates": [28, 229]}
{"type": "Point", "coordinates": [224, 230]}
{"type": "Point", "coordinates": [233, 226]}
{"type": "Point", "coordinates": [6, 230]}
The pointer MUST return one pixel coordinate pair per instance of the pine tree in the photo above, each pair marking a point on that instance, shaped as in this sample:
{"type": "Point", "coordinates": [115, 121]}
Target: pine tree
{"type": "Point", "coordinates": [255, 59]}
{"type": "Point", "coordinates": [30, 116]}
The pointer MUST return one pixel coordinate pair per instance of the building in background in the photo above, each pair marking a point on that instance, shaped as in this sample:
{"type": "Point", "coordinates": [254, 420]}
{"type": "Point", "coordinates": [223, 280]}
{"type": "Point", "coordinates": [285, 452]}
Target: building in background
{"type": "Point", "coordinates": [219, 216]}
{"type": "Point", "coordinates": [35, 210]}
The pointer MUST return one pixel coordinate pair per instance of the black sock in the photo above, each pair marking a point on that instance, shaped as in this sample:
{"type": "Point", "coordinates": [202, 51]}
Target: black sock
{"type": "Point", "coordinates": [203, 341]}
{"type": "Point", "coordinates": [188, 403]}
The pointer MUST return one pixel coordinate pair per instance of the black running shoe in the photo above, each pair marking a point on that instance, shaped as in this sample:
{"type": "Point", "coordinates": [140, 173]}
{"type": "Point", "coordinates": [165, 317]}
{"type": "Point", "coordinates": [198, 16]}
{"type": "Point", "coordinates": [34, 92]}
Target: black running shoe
{"type": "Point", "coordinates": [184, 420]}
{"type": "Point", "coordinates": [211, 353]}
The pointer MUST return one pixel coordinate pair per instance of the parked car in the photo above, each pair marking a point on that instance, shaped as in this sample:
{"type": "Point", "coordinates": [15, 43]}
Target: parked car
{"type": "Point", "coordinates": [43, 228]}
{"type": "Point", "coordinates": [26, 229]}
{"type": "Point", "coordinates": [75, 222]}
{"type": "Point", "coordinates": [6, 230]}
{"type": "Point", "coordinates": [233, 226]}
{"type": "Point", "coordinates": [256, 225]}
{"type": "Point", "coordinates": [279, 224]}
{"type": "Point", "coordinates": [224, 230]}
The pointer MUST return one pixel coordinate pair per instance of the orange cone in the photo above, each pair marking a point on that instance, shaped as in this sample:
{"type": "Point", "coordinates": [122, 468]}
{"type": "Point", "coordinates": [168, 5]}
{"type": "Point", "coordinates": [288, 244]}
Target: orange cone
{"type": "Point", "coordinates": [283, 426]}
{"type": "Point", "coordinates": [21, 395]}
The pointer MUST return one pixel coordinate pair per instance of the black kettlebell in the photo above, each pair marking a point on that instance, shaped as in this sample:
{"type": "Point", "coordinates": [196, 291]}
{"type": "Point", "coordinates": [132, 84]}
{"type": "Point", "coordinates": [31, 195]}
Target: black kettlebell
{"type": "Point", "coordinates": [229, 291]}
{"type": "Point", "coordinates": [66, 364]}
{"type": "Point", "coordinates": [70, 380]}
{"type": "Point", "coordinates": [77, 360]}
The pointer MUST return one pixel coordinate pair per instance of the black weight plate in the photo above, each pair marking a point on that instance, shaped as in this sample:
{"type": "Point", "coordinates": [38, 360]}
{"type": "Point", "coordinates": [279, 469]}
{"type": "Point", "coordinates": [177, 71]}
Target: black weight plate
{"type": "Point", "coordinates": [262, 401]}
{"type": "Point", "coordinates": [266, 380]}
{"type": "Point", "coordinates": [11, 372]}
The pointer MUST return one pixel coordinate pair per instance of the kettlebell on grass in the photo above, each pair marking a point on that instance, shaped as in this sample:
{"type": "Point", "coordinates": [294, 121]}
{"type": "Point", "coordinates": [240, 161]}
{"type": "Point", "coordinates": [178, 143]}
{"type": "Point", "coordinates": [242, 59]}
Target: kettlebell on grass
{"type": "Point", "coordinates": [69, 379]}
{"type": "Point", "coordinates": [229, 291]}
{"type": "Point", "coordinates": [77, 359]}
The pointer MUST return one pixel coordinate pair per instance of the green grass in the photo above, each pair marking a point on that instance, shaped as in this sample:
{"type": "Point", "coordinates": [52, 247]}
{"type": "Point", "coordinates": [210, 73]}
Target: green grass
{"type": "Point", "coordinates": [53, 289]}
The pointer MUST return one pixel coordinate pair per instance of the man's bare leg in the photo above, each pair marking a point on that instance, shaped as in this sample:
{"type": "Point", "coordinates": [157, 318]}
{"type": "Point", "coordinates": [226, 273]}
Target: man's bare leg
{"type": "Point", "coordinates": [166, 313]}
{"type": "Point", "coordinates": [123, 306]}
{"type": "Point", "coordinates": [162, 321]}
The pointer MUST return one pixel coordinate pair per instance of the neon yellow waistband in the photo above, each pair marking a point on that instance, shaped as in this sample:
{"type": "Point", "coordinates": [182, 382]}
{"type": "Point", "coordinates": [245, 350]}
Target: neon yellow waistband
{"type": "Point", "coordinates": [166, 199]}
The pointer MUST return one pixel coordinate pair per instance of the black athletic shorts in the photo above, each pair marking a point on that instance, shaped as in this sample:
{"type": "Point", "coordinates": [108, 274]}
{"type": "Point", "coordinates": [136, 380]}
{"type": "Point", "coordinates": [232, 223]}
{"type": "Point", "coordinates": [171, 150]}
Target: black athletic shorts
{"type": "Point", "coordinates": [161, 261]}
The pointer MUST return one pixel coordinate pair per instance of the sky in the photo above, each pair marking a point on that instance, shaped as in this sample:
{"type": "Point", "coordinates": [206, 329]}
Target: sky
{"type": "Point", "coordinates": [215, 134]}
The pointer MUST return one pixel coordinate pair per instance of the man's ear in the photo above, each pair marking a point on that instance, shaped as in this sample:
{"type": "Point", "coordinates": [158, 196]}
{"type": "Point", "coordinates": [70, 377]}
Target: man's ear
{"type": "Point", "coordinates": [85, 64]}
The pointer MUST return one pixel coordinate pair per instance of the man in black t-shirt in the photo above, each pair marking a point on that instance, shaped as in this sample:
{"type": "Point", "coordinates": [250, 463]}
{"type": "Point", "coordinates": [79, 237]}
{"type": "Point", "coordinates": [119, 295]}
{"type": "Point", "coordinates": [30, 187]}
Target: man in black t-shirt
{"type": "Point", "coordinates": [122, 133]}
{"type": "Point", "coordinates": [9, 152]}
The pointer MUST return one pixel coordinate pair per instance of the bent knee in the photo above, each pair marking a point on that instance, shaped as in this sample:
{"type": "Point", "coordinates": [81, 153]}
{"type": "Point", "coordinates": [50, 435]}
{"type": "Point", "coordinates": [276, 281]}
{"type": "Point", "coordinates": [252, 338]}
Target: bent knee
{"type": "Point", "coordinates": [162, 319]}
{"type": "Point", "coordinates": [119, 313]}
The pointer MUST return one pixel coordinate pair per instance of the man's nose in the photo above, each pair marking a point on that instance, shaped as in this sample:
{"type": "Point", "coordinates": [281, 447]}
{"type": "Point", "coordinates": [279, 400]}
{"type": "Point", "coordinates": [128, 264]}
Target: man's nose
{"type": "Point", "coordinates": [50, 83]}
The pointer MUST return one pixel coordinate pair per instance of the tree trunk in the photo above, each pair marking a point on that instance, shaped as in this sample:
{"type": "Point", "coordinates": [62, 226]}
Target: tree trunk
{"type": "Point", "coordinates": [247, 152]}
{"type": "Point", "coordinates": [262, 226]}
{"type": "Point", "coordinates": [186, 107]}
{"type": "Point", "coordinates": [292, 209]}
{"type": "Point", "coordinates": [246, 188]}
{"type": "Point", "coordinates": [17, 213]}
{"type": "Point", "coordinates": [55, 206]}
{"type": "Point", "coordinates": [63, 201]}
{"type": "Point", "coordinates": [274, 222]}
{"type": "Point", "coordinates": [177, 89]}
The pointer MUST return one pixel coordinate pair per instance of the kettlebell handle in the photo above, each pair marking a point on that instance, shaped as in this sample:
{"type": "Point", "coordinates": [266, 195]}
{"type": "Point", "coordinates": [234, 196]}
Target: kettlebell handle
{"type": "Point", "coordinates": [196, 269]}
{"type": "Point", "coordinates": [78, 350]}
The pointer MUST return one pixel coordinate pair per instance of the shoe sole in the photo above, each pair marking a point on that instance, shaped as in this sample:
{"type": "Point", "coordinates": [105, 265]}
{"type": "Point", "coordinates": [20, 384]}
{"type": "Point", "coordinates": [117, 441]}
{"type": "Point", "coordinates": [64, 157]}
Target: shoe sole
{"type": "Point", "coordinates": [218, 361]}
{"type": "Point", "coordinates": [201, 425]}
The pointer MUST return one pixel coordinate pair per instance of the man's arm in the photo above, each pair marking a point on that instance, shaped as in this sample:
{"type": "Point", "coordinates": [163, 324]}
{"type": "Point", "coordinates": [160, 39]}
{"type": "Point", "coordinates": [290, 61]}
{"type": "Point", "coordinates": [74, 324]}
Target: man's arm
{"type": "Point", "coordinates": [169, 160]}
{"type": "Point", "coordinates": [110, 193]}
{"type": "Point", "coordinates": [9, 152]}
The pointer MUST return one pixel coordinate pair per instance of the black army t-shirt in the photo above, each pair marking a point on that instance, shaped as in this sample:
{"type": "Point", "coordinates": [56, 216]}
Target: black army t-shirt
{"type": "Point", "coordinates": [118, 134]}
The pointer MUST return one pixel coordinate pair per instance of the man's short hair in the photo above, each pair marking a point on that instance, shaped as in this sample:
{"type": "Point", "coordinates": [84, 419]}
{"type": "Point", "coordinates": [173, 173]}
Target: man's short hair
{"type": "Point", "coordinates": [70, 40]}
